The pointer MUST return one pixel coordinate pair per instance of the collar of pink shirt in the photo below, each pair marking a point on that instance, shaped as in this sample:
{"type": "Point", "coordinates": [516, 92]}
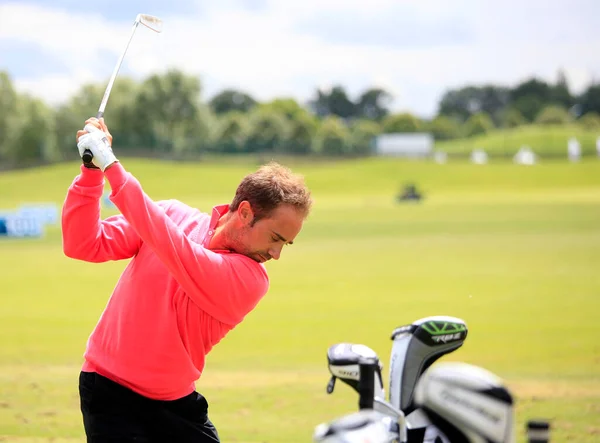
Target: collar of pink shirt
{"type": "Point", "coordinates": [217, 212]}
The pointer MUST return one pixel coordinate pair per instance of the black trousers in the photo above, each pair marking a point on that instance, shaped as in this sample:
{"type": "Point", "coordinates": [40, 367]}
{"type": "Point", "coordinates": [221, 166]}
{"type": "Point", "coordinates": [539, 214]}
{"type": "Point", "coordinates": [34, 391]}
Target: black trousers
{"type": "Point", "coordinates": [113, 413]}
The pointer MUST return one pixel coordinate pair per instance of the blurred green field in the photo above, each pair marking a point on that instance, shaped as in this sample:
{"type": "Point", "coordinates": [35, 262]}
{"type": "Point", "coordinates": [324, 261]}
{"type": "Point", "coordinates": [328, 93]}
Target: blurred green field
{"type": "Point", "coordinates": [513, 250]}
{"type": "Point", "coordinates": [544, 140]}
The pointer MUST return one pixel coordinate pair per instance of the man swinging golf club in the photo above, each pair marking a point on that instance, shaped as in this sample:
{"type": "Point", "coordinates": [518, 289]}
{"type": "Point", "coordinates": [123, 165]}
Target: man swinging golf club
{"type": "Point", "coordinates": [192, 277]}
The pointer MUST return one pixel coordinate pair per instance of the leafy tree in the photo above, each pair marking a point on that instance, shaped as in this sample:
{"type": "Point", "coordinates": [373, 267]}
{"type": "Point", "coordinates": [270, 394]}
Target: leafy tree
{"type": "Point", "coordinates": [207, 123]}
{"type": "Point", "coordinates": [288, 107]}
{"type": "Point", "coordinates": [512, 118]}
{"type": "Point", "coordinates": [529, 107]}
{"type": "Point", "coordinates": [444, 128]}
{"type": "Point", "coordinates": [70, 117]}
{"type": "Point", "coordinates": [120, 114]}
{"type": "Point", "coordinates": [35, 139]}
{"type": "Point", "coordinates": [373, 104]}
{"type": "Point", "coordinates": [301, 134]}
{"type": "Point", "coordinates": [8, 95]}
{"type": "Point", "coordinates": [332, 137]}
{"type": "Point", "coordinates": [268, 131]}
{"type": "Point", "coordinates": [8, 114]}
{"type": "Point", "coordinates": [362, 135]}
{"type": "Point", "coordinates": [590, 99]}
{"type": "Point", "coordinates": [553, 115]}
{"type": "Point", "coordinates": [232, 133]}
{"type": "Point", "coordinates": [167, 109]}
{"type": "Point", "coordinates": [335, 102]}
{"type": "Point", "coordinates": [401, 122]}
{"type": "Point", "coordinates": [479, 123]}
{"type": "Point", "coordinates": [464, 102]}
{"type": "Point", "coordinates": [530, 97]}
{"type": "Point", "coordinates": [590, 121]}
{"type": "Point", "coordinates": [560, 94]}
{"type": "Point", "coordinates": [300, 124]}
{"type": "Point", "coordinates": [231, 100]}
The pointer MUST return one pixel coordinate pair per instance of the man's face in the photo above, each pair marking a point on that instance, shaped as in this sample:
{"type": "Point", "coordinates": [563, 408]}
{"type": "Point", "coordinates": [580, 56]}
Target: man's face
{"type": "Point", "coordinates": [265, 238]}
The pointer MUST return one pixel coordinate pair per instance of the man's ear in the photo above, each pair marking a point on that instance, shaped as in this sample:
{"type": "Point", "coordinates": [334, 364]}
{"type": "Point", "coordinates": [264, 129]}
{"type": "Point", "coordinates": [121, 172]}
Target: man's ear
{"type": "Point", "coordinates": [245, 212]}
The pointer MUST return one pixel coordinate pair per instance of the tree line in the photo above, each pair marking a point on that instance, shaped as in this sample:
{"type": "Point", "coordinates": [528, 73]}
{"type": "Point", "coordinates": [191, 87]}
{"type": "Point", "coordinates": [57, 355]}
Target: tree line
{"type": "Point", "coordinates": [164, 115]}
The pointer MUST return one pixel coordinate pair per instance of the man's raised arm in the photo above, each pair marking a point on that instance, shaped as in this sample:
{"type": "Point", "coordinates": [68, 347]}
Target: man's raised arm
{"type": "Point", "coordinates": [85, 236]}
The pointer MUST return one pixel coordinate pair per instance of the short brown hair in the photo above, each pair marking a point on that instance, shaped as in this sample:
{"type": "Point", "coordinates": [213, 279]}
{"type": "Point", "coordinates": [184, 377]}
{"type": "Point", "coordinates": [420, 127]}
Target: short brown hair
{"type": "Point", "coordinates": [270, 186]}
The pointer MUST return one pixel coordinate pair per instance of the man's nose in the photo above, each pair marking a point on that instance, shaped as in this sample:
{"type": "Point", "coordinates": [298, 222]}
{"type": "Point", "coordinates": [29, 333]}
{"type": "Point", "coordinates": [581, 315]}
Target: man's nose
{"type": "Point", "coordinates": [275, 252]}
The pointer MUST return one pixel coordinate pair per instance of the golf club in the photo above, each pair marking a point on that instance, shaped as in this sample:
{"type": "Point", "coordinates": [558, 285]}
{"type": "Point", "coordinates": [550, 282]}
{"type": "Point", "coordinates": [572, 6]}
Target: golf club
{"type": "Point", "coordinates": [362, 371]}
{"type": "Point", "coordinates": [344, 363]}
{"type": "Point", "coordinates": [151, 22]}
{"type": "Point", "coordinates": [357, 427]}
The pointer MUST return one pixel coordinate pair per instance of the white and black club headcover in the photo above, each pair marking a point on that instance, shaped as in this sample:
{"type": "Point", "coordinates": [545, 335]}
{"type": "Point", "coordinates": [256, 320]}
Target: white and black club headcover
{"type": "Point", "coordinates": [416, 347]}
{"type": "Point", "coordinates": [469, 403]}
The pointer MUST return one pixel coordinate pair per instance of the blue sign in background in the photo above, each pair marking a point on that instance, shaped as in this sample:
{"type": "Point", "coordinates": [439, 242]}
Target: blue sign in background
{"type": "Point", "coordinates": [29, 220]}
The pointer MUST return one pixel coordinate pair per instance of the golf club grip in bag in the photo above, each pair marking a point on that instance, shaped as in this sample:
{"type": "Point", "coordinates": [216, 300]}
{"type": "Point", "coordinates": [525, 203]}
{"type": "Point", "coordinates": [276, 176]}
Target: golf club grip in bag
{"type": "Point", "coordinates": [366, 383]}
{"type": "Point", "coordinates": [87, 154]}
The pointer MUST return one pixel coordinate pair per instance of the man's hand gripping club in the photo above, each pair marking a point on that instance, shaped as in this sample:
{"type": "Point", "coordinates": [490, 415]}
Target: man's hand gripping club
{"type": "Point", "coordinates": [96, 137]}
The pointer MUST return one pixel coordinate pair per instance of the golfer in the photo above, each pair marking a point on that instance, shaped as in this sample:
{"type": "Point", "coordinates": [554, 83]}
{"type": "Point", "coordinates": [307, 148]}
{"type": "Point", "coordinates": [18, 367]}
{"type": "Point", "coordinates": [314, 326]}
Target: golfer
{"type": "Point", "coordinates": [192, 278]}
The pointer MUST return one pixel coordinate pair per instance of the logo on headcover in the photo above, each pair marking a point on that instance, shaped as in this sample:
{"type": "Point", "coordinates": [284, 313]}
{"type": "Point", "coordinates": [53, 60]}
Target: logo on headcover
{"type": "Point", "coordinates": [446, 338]}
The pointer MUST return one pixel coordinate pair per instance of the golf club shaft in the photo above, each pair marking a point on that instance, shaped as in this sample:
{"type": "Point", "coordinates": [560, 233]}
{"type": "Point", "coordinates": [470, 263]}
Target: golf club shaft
{"type": "Point", "coordinates": [87, 155]}
{"type": "Point", "coordinates": [386, 408]}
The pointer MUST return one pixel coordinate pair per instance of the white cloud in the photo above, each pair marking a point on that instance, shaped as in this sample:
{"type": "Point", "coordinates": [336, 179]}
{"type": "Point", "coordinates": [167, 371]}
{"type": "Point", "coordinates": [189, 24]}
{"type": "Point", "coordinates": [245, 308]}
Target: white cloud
{"type": "Point", "coordinates": [72, 38]}
{"type": "Point", "coordinates": [265, 53]}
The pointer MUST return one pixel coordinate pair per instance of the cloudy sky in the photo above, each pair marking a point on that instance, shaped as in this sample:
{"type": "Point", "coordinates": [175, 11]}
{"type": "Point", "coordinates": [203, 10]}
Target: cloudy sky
{"type": "Point", "coordinates": [416, 49]}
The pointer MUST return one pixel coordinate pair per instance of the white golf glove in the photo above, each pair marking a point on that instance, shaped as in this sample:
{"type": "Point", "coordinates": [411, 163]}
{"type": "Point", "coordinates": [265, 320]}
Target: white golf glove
{"type": "Point", "coordinates": [97, 142]}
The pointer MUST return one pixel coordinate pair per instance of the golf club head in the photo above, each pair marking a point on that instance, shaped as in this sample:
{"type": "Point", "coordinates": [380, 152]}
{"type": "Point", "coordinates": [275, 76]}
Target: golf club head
{"type": "Point", "coordinates": [415, 347]}
{"type": "Point", "coordinates": [468, 403]}
{"type": "Point", "coordinates": [150, 21]}
{"type": "Point", "coordinates": [357, 427]}
{"type": "Point", "coordinates": [344, 360]}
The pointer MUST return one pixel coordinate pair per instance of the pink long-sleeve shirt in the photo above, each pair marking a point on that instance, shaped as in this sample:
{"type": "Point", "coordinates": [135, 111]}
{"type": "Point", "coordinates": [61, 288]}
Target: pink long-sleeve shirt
{"type": "Point", "coordinates": [176, 298]}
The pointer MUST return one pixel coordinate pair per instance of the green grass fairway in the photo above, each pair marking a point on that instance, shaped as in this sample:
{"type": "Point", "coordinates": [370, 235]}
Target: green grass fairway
{"type": "Point", "coordinates": [513, 250]}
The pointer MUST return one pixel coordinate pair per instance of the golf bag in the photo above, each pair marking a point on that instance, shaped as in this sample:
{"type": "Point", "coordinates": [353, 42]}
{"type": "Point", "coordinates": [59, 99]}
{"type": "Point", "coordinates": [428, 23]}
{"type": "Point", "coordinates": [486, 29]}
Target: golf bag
{"type": "Point", "coordinates": [427, 404]}
{"type": "Point", "coordinates": [454, 403]}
